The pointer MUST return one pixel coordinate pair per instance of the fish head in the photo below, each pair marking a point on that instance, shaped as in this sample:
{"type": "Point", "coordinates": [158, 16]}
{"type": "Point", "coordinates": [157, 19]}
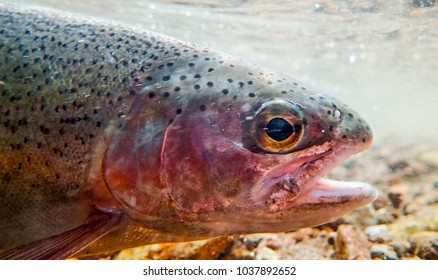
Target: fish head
{"type": "Point", "coordinates": [245, 154]}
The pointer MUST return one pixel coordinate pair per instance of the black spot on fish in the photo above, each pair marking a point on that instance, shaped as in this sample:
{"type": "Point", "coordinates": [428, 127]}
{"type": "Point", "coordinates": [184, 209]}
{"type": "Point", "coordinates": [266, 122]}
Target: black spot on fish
{"type": "Point", "coordinates": [44, 130]}
{"type": "Point", "coordinates": [202, 108]}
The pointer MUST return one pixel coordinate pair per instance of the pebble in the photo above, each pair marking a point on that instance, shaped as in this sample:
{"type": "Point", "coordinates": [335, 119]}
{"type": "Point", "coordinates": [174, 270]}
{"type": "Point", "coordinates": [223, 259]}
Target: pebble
{"type": "Point", "coordinates": [381, 201]}
{"type": "Point", "coordinates": [379, 233]}
{"type": "Point", "coordinates": [272, 244]}
{"type": "Point", "coordinates": [411, 208]}
{"type": "Point", "coordinates": [250, 244]}
{"type": "Point", "coordinates": [213, 248]}
{"type": "Point", "coordinates": [386, 216]}
{"type": "Point", "coordinates": [332, 238]}
{"type": "Point", "coordinates": [395, 198]}
{"type": "Point", "coordinates": [351, 243]}
{"type": "Point", "coordinates": [402, 248]}
{"type": "Point", "coordinates": [383, 252]}
{"type": "Point", "coordinates": [266, 253]}
{"type": "Point", "coordinates": [425, 244]}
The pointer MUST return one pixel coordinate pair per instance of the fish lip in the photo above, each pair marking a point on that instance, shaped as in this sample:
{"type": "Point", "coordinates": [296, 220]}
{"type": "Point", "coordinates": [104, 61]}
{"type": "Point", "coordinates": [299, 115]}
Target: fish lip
{"type": "Point", "coordinates": [290, 184]}
{"type": "Point", "coordinates": [287, 174]}
{"type": "Point", "coordinates": [332, 191]}
{"type": "Point", "coordinates": [302, 182]}
{"type": "Point", "coordinates": [340, 196]}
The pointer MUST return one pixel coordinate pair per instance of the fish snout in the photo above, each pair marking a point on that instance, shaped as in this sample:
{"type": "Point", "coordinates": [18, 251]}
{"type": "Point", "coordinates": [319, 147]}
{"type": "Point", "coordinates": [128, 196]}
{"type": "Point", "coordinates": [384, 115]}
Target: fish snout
{"type": "Point", "coordinates": [355, 130]}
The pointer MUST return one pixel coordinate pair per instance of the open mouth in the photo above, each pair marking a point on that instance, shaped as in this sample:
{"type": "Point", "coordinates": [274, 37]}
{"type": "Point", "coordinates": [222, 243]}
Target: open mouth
{"type": "Point", "coordinates": [289, 185]}
{"type": "Point", "coordinates": [300, 181]}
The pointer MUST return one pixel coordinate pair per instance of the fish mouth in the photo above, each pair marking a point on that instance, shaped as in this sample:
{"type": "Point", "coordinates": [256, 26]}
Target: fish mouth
{"type": "Point", "coordinates": [301, 182]}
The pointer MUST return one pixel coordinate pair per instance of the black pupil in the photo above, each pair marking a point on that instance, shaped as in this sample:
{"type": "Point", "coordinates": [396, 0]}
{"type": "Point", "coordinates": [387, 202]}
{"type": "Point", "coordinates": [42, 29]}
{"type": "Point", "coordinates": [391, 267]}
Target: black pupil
{"type": "Point", "coordinates": [279, 129]}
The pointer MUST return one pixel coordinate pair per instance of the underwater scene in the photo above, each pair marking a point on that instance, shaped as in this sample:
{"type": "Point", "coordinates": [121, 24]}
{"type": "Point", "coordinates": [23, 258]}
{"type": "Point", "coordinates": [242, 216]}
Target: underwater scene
{"type": "Point", "coordinates": [344, 90]}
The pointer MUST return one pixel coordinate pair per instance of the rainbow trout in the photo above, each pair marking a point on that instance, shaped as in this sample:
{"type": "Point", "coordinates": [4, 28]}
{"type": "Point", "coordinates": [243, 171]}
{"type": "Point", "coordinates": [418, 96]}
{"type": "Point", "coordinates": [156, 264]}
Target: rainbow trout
{"type": "Point", "coordinates": [113, 137]}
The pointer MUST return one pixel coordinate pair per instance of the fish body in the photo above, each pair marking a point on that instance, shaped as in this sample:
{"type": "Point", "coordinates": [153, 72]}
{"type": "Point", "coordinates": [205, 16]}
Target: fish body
{"type": "Point", "coordinates": [121, 137]}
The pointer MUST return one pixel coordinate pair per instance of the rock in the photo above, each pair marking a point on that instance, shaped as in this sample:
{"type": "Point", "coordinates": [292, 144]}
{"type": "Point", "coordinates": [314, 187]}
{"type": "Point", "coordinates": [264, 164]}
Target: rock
{"type": "Point", "coordinates": [425, 244]}
{"type": "Point", "coordinates": [386, 216]}
{"type": "Point", "coordinates": [428, 250]}
{"type": "Point", "coordinates": [379, 233]}
{"type": "Point", "coordinates": [239, 251]}
{"type": "Point", "coordinates": [313, 245]}
{"type": "Point", "coordinates": [407, 227]}
{"type": "Point", "coordinates": [362, 217]}
{"type": "Point", "coordinates": [376, 230]}
{"type": "Point", "coordinates": [351, 243]}
{"type": "Point", "coordinates": [411, 208]}
{"type": "Point", "coordinates": [398, 165]}
{"type": "Point", "coordinates": [395, 198]}
{"type": "Point", "coordinates": [381, 201]}
{"type": "Point", "coordinates": [332, 238]}
{"type": "Point", "coordinates": [383, 252]}
{"type": "Point", "coordinates": [164, 251]}
{"type": "Point", "coordinates": [266, 253]}
{"type": "Point", "coordinates": [402, 248]}
{"type": "Point", "coordinates": [272, 244]}
{"type": "Point", "coordinates": [250, 243]}
{"type": "Point", "coordinates": [213, 248]}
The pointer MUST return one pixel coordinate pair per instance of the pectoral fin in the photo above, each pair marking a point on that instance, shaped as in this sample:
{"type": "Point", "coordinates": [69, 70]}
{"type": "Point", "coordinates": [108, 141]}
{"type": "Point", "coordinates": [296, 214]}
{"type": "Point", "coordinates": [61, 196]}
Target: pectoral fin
{"type": "Point", "coordinates": [66, 244]}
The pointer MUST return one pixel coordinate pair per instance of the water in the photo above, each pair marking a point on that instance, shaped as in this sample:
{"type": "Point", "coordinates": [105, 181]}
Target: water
{"type": "Point", "coordinates": [380, 57]}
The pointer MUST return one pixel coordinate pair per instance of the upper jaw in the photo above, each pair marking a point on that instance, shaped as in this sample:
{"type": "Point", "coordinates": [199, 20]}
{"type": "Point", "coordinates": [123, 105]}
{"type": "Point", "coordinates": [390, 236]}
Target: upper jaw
{"type": "Point", "coordinates": [299, 180]}
{"type": "Point", "coordinates": [290, 175]}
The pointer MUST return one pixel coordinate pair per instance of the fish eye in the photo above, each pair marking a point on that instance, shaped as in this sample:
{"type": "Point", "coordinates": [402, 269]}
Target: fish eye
{"type": "Point", "coordinates": [278, 127]}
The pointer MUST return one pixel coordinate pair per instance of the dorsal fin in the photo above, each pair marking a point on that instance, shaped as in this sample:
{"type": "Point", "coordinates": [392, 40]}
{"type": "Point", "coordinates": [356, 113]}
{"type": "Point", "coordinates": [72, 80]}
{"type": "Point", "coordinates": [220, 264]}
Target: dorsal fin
{"type": "Point", "coordinates": [66, 244]}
